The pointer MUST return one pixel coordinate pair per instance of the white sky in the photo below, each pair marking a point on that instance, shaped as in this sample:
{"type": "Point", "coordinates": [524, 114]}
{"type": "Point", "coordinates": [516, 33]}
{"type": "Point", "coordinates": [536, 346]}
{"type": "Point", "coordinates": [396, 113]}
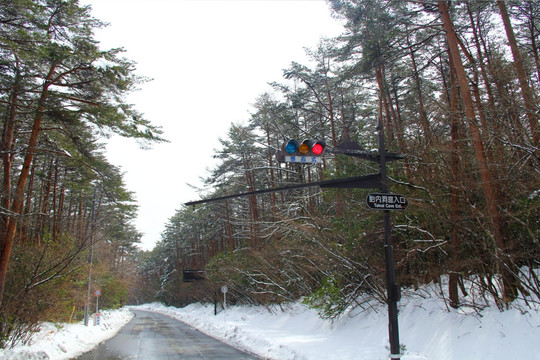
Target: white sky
{"type": "Point", "coordinates": [209, 60]}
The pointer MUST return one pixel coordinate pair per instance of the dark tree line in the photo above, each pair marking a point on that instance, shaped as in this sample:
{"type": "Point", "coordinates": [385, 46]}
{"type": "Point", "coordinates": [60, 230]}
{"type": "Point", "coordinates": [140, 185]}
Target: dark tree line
{"type": "Point", "coordinates": [60, 96]}
{"type": "Point", "coordinates": [456, 87]}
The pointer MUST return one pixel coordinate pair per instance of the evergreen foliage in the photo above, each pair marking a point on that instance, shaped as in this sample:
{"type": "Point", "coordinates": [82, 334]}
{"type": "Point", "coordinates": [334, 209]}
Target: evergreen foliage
{"type": "Point", "coordinates": [470, 170]}
{"type": "Point", "coordinates": [60, 96]}
{"type": "Point", "coordinates": [454, 84]}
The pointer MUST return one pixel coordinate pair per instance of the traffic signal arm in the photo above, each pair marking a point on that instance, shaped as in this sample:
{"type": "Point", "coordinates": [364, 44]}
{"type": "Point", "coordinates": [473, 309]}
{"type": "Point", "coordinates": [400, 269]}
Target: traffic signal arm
{"type": "Point", "coordinates": [356, 182]}
{"type": "Point", "coordinates": [353, 149]}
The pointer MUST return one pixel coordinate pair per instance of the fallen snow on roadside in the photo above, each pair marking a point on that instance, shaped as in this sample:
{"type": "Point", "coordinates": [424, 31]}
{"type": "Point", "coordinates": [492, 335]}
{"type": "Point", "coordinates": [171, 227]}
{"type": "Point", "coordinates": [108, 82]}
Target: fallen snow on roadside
{"type": "Point", "coordinates": [67, 341]}
{"type": "Point", "coordinates": [427, 331]}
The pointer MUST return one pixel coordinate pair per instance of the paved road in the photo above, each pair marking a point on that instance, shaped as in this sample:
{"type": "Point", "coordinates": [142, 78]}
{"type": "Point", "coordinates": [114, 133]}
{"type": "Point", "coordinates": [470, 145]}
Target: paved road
{"type": "Point", "coordinates": [152, 336]}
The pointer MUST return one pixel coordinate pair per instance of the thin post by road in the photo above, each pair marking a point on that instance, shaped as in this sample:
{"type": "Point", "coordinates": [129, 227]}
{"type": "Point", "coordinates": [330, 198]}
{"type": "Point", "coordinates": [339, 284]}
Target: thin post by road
{"type": "Point", "coordinates": [90, 261]}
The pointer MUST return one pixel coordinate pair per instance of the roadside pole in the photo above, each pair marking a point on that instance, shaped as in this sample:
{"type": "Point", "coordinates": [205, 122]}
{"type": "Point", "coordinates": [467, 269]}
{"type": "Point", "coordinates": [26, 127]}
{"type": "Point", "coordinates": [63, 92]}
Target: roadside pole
{"type": "Point", "coordinates": [91, 260]}
{"type": "Point", "coordinates": [98, 294]}
{"type": "Point", "coordinates": [224, 290]}
{"type": "Point", "coordinates": [392, 289]}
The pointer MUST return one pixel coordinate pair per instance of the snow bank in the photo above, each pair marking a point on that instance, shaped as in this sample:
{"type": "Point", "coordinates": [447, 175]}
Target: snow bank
{"type": "Point", "coordinates": [427, 331]}
{"type": "Point", "coordinates": [66, 341]}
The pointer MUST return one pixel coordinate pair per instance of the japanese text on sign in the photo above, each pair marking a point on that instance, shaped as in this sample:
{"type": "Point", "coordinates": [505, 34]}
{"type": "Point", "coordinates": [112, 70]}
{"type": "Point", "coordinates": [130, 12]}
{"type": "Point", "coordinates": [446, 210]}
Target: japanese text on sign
{"type": "Point", "coordinates": [304, 159]}
{"type": "Point", "coordinates": [387, 201]}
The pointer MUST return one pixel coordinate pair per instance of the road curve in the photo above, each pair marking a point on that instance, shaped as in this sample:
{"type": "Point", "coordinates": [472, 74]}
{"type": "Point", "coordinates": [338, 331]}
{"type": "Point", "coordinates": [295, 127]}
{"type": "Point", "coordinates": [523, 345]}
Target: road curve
{"type": "Point", "coordinates": [152, 336]}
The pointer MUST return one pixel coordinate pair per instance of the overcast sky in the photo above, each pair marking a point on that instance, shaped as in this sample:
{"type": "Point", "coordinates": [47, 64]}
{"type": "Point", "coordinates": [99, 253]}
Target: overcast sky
{"type": "Point", "coordinates": [209, 61]}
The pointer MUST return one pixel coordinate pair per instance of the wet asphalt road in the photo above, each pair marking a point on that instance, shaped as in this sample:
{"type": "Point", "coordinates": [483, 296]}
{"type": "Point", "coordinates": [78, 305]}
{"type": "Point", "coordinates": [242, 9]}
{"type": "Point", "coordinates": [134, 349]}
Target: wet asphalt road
{"type": "Point", "coordinates": [152, 336]}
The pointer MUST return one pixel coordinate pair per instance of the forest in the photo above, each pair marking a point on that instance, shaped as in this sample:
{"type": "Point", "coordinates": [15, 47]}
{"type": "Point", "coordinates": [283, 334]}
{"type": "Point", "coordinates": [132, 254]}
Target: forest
{"type": "Point", "coordinates": [65, 215]}
{"type": "Point", "coordinates": [453, 83]}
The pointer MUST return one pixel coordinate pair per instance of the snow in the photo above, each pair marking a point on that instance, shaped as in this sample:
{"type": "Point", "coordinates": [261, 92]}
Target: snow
{"type": "Point", "coordinates": [66, 341]}
{"type": "Point", "coordinates": [428, 330]}
{"type": "Point", "coordinates": [103, 64]}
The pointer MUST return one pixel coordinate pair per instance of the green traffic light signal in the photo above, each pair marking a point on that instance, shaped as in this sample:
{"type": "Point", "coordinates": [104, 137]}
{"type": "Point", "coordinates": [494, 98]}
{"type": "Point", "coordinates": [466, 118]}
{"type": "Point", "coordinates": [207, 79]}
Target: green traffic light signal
{"type": "Point", "coordinates": [292, 146]}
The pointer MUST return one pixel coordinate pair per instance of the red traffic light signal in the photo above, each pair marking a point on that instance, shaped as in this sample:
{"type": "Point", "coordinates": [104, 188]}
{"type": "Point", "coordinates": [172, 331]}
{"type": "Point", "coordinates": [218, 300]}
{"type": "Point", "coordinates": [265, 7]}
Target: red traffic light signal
{"type": "Point", "coordinates": [318, 148]}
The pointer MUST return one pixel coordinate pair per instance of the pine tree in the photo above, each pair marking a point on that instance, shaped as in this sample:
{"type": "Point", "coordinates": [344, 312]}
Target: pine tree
{"type": "Point", "coordinates": [57, 80]}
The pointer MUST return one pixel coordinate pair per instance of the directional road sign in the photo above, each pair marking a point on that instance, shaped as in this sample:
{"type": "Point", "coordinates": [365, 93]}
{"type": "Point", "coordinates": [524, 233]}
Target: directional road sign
{"type": "Point", "coordinates": [380, 201]}
{"type": "Point", "coordinates": [304, 159]}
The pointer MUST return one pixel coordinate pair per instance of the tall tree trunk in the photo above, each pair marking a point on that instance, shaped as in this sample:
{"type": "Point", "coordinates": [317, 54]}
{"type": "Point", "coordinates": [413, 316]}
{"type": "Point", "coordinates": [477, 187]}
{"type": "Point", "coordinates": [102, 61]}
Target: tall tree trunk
{"type": "Point", "coordinates": [54, 202]}
{"type": "Point", "coordinates": [526, 91]}
{"type": "Point", "coordinates": [454, 192]}
{"type": "Point", "coordinates": [59, 224]}
{"type": "Point", "coordinates": [252, 201]}
{"type": "Point", "coordinates": [421, 110]}
{"type": "Point", "coordinates": [26, 231]}
{"type": "Point", "coordinates": [79, 221]}
{"type": "Point", "coordinates": [490, 195]}
{"type": "Point", "coordinates": [534, 47]}
{"type": "Point", "coordinates": [271, 165]}
{"type": "Point", "coordinates": [229, 228]}
{"type": "Point", "coordinates": [18, 199]}
{"type": "Point", "coordinates": [330, 108]}
{"type": "Point", "coordinates": [481, 62]}
{"type": "Point", "coordinates": [6, 148]}
{"type": "Point", "coordinates": [389, 129]}
{"type": "Point", "coordinates": [400, 127]}
{"type": "Point", "coordinates": [44, 209]}
{"type": "Point", "coordinates": [331, 112]}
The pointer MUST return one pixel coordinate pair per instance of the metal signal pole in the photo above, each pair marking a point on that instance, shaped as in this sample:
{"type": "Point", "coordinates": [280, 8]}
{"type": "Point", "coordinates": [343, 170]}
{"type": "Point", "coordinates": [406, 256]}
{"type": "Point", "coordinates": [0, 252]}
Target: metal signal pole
{"type": "Point", "coordinates": [392, 289]}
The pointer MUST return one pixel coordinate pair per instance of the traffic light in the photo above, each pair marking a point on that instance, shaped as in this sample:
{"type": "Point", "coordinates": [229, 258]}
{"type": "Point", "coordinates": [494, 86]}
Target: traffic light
{"type": "Point", "coordinates": [308, 151]}
{"type": "Point", "coordinates": [292, 146]}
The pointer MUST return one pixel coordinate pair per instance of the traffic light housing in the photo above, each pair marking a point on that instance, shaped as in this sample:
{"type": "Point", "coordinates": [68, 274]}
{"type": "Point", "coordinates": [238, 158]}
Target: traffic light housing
{"type": "Point", "coordinates": [307, 151]}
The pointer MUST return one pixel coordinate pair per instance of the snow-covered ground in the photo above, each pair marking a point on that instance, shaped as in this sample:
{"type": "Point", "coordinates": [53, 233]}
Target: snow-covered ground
{"type": "Point", "coordinates": [427, 331]}
{"type": "Point", "coordinates": [67, 341]}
